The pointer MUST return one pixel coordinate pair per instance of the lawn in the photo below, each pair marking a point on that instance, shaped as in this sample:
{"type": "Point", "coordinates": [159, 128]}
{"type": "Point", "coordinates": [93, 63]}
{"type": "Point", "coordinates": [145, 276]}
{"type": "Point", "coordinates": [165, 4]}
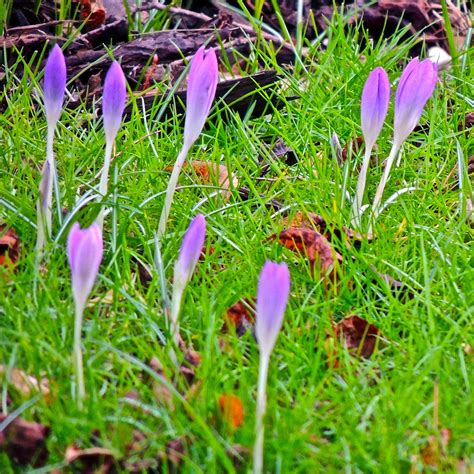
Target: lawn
{"type": "Point", "coordinates": [406, 408]}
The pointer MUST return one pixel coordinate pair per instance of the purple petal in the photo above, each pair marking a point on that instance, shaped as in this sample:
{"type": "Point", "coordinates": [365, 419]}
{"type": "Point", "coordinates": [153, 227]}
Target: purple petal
{"type": "Point", "coordinates": [202, 84]}
{"type": "Point", "coordinates": [85, 249]}
{"type": "Point", "coordinates": [272, 298]}
{"type": "Point", "coordinates": [415, 88]}
{"type": "Point", "coordinates": [54, 84]}
{"type": "Point", "coordinates": [113, 100]}
{"type": "Point", "coordinates": [191, 248]}
{"type": "Point", "coordinates": [374, 105]}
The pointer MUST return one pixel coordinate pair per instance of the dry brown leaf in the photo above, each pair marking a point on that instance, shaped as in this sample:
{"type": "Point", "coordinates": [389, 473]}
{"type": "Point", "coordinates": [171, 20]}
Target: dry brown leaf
{"type": "Point", "coordinates": [315, 247]}
{"type": "Point", "coordinates": [175, 450]}
{"type": "Point", "coordinates": [213, 173]}
{"type": "Point", "coordinates": [357, 335]}
{"type": "Point", "coordinates": [162, 393]}
{"type": "Point", "coordinates": [9, 247]}
{"type": "Point", "coordinates": [91, 459]}
{"type": "Point", "coordinates": [232, 410]}
{"type": "Point", "coordinates": [93, 11]}
{"type": "Point", "coordinates": [25, 384]}
{"type": "Point", "coordinates": [25, 442]}
{"type": "Point", "coordinates": [436, 448]}
{"type": "Point", "coordinates": [240, 317]}
{"type": "Point", "coordinates": [318, 223]}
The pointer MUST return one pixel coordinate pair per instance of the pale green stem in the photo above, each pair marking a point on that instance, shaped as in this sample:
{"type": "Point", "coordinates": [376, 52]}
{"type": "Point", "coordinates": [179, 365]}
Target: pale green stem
{"type": "Point", "coordinates": [80, 386]}
{"type": "Point", "coordinates": [170, 190]}
{"type": "Point", "coordinates": [361, 183]}
{"type": "Point", "coordinates": [261, 409]}
{"type": "Point", "coordinates": [381, 187]}
{"type": "Point", "coordinates": [104, 178]}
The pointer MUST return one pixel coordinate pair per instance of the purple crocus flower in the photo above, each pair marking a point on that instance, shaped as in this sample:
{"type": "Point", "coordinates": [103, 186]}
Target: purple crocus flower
{"type": "Point", "coordinates": [272, 298]}
{"type": "Point", "coordinates": [374, 105]}
{"type": "Point", "coordinates": [202, 83]}
{"type": "Point", "coordinates": [54, 85]}
{"type": "Point", "coordinates": [84, 250]}
{"type": "Point", "coordinates": [190, 251]}
{"type": "Point", "coordinates": [113, 100]}
{"type": "Point", "coordinates": [414, 89]}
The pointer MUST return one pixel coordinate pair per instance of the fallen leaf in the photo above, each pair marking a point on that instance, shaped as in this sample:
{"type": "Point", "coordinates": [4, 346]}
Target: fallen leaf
{"type": "Point", "coordinates": [240, 317]}
{"type": "Point", "coordinates": [352, 148]}
{"type": "Point", "coordinates": [332, 233]}
{"type": "Point", "coordinates": [162, 393]}
{"type": "Point", "coordinates": [315, 247]}
{"type": "Point", "coordinates": [25, 442]}
{"type": "Point", "coordinates": [357, 335]}
{"type": "Point", "coordinates": [91, 459]}
{"type": "Point", "coordinates": [436, 449]}
{"type": "Point", "coordinates": [212, 173]}
{"type": "Point", "coordinates": [175, 450]}
{"type": "Point", "coordinates": [93, 11]}
{"type": "Point", "coordinates": [25, 384]}
{"type": "Point", "coordinates": [232, 410]}
{"type": "Point", "coordinates": [9, 247]}
{"type": "Point", "coordinates": [397, 288]}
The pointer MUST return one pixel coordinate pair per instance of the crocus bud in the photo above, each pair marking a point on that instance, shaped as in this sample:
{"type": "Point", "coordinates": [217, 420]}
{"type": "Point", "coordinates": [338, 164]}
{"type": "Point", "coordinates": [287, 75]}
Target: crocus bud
{"type": "Point", "coordinates": [84, 250]}
{"type": "Point", "coordinates": [54, 85]}
{"type": "Point", "coordinates": [414, 89]}
{"type": "Point", "coordinates": [374, 105]}
{"type": "Point", "coordinates": [272, 298]}
{"type": "Point", "coordinates": [190, 251]}
{"type": "Point", "coordinates": [202, 83]}
{"type": "Point", "coordinates": [113, 100]}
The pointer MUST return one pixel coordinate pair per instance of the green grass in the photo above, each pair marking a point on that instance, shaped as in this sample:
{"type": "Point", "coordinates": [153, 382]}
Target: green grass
{"type": "Point", "coordinates": [366, 416]}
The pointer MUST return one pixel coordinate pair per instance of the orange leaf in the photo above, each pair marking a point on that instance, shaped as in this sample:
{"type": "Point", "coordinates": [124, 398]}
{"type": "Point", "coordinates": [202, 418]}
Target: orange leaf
{"type": "Point", "coordinates": [232, 409]}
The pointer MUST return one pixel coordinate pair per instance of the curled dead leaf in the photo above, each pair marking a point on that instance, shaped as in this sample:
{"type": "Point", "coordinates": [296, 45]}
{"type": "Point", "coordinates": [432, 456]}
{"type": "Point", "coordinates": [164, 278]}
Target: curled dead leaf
{"type": "Point", "coordinates": [23, 383]}
{"type": "Point", "coordinates": [213, 173]}
{"type": "Point", "coordinates": [357, 335]}
{"type": "Point", "coordinates": [318, 223]}
{"type": "Point", "coordinates": [240, 317]}
{"type": "Point", "coordinates": [162, 393]}
{"type": "Point", "coordinates": [93, 11]}
{"type": "Point", "coordinates": [175, 450]}
{"type": "Point", "coordinates": [232, 410]}
{"type": "Point", "coordinates": [435, 450]}
{"type": "Point", "coordinates": [25, 442]}
{"type": "Point", "coordinates": [91, 459]}
{"type": "Point", "coordinates": [315, 247]}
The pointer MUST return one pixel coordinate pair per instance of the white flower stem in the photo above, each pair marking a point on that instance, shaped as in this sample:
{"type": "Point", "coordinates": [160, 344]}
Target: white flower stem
{"type": "Point", "coordinates": [44, 203]}
{"type": "Point", "coordinates": [381, 187]}
{"type": "Point", "coordinates": [104, 178]}
{"type": "Point", "coordinates": [80, 386]}
{"type": "Point", "coordinates": [177, 296]}
{"type": "Point", "coordinates": [261, 409]}
{"type": "Point", "coordinates": [361, 183]}
{"type": "Point", "coordinates": [172, 188]}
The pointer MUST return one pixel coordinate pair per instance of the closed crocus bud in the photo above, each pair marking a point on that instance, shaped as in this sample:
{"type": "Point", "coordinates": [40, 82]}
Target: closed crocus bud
{"type": "Point", "coordinates": [84, 250]}
{"type": "Point", "coordinates": [113, 100]}
{"type": "Point", "coordinates": [202, 83]}
{"type": "Point", "coordinates": [374, 105]}
{"type": "Point", "coordinates": [415, 88]}
{"type": "Point", "coordinates": [54, 85]}
{"type": "Point", "coordinates": [272, 298]}
{"type": "Point", "coordinates": [190, 251]}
